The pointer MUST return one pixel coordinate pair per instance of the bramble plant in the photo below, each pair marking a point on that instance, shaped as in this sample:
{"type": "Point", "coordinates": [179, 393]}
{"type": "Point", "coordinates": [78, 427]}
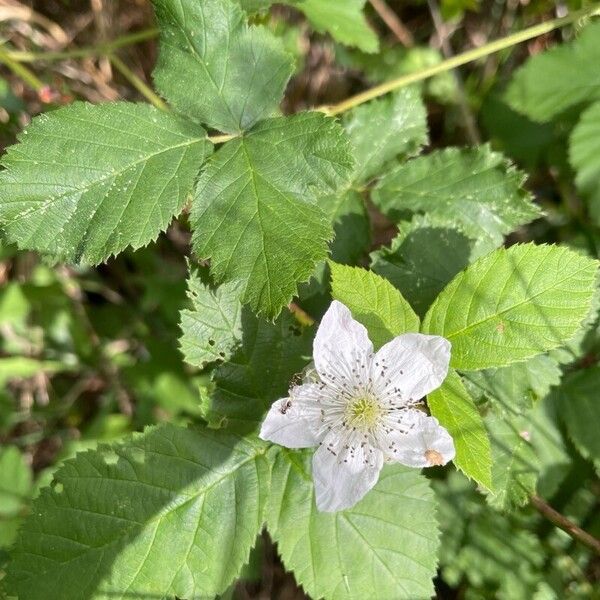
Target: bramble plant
{"type": "Point", "coordinates": [327, 381]}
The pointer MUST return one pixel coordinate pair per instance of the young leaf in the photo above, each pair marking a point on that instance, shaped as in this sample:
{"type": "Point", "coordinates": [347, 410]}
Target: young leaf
{"type": "Point", "coordinates": [150, 517]}
{"type": "Point", "coordinates": [554, 81]}
{"type": "Point", "coordinates": [374, 302]}
{"type": "Point", "coordinates": [515, 465]}
{"type": "Point", "coordinates": [386, 544]}
{"type": "Point", "coordinates": [345, 21]}
{"type": "Point", "coordinates": [255, 213]}
{"type": "Point", "coordinates": [474, 188]}
{"type": "Point", "coordinates": [454, 408]}
{"type": "Point", "coordinates": [513, 304]}
{"type": "Point", "coordinates": [210, 331]}
{"type": "Point", "coordinates": [578, 405]}
{"type": "Point", "coordinates": [584, 153]}
{"type": "Point", "coordinates": [234, 75]}
{"type": "Point", "coordinates": [87, 181]}
{"type": "Point", "coordinates": [383, 129]}
{"type": "Point", "coordinates": [422, 259]}
{"type": "Point", "coordinates": [260, 372]}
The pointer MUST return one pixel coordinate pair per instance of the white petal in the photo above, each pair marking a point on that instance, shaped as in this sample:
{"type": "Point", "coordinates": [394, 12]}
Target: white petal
{"type": "Point", "coordinates": [341, 478]}
{"type": "Point", "coordinates": [411, 366]}
{"type": "Point", "coordinates": [293, 422]}
{"type": "Point", "coordinates": [341, 345]}
{"type": "Point", "coordinates": [419, 441]}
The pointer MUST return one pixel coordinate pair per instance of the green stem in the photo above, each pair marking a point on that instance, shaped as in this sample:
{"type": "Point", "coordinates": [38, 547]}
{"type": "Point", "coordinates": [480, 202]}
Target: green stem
{"type": "Point", "coordinates": [21, 71]}
{"type": "Point", "coordinates": [459, 59]}
{"type": "Point", "coordinates": [100, 50]}
{"type": "Point", "coordinates": [137, 83]}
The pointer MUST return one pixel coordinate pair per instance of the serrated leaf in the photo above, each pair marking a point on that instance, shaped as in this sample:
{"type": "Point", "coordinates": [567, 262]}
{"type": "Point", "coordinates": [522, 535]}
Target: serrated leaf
{"type": "Point", "coordinates": [579, 407]}
{"type": "Point", "coordinates": [381, 130]}
{"type": "Point", "coordinates": [213, 328]}
{"type": "Point", "coordinates": [454, 408]}
{"type": "Point", "coordinates": [518, 386]}
{"type": "Point", "coordinates": [422, 259]}
{"type": "Point", "coordinates": [150, 517]}
{"type": "Point", "coordinates": [86, 182]}
{"type": "Point", "coordinates": [474, 189]}
{"type": "Point", "coordinates": [344, 21]}
{"type": "Point", "coordinates": [255, 214]}
{"type": "Point", "coordinates": [386, 544]}
{"type": "Point", "coordinates": [260, 371]}
{"type": "Point", "coordinates": [513, 304]}
{"type": "Point", "coordinates": [374, 302]}
{"type": "Point", "coordinates": [515, 465]}
{"type": "Point", "coordinates": [584, 154]}
{"type": "Point", "coordinates": [351, 226]}
{"type": "Point", "coordinates": [234, 75]}
{"type": "Point", "coordinates": [561, 78]}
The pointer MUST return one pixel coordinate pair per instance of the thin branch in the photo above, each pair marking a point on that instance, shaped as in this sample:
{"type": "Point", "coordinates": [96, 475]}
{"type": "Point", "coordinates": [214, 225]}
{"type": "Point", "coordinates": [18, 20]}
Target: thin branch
{"type": "Point", "coordinates": [459, 59]}
{"type": "Point", "coordinates": [392, 20]}
{"type": "Point", "coordinates": [565, 524]}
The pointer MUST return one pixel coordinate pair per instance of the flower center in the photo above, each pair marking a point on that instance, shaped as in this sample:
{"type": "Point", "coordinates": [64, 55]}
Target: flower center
{"type": "Point", "coordinates": [363, 412]}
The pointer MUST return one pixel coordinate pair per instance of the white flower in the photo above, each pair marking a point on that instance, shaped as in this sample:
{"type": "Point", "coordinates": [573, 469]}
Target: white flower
{"type": "Point", "coordinates": [361, 411]}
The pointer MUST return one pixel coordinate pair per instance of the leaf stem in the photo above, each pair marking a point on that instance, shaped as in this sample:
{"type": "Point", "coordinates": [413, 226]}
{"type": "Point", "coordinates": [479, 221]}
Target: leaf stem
{"type": "Point", "coordinates": [20, 70]}
{"type": "Point", "coordinates": [99, 50]}
{"type": "Point", "coordinates": [459, 59]}
{"type": "Point", "coordinates": [565, 524]}
{"type": "Point", "coordinates": [137, 83]}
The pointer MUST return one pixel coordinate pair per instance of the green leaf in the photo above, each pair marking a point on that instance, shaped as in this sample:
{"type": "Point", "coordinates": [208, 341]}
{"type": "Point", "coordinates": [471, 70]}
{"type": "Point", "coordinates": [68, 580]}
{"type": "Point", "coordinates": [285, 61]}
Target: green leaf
{"type": "Point", "coordinates": [87, 181]}
{"type": "Point", "coordinates": [454, 408]}
{"type": "Point", "coordinates": [584, 153]}
{"type": "Point", "coordinates": [386, 544]}
{"type": "Point", "coordinates": [344, 21]}
{"type": "Point", "coordinates": [422, 259]}
{"type": "Point", "coordinates": [234, 75]}
{"type": "Point", "coordinates": [474, 189]}
{"type": "Point", "coordinates": [256, 215]}
{"type": "Point", "coordinates": [213, 328]}
{"type": "Point", "coordinates": [520, 385]}
{"type": "Point", "coordinates": [562, 78]}
{"type": "Point", "coordinates": [150, 517]}
{"type": "Point", "coordinates": [351, 226]}
{"type": "Point", "coordinates": [260, 371]}
{"type": "Point", "coordinates": [374, 302]}
{"type": "Point", "coordinates": [15, 492]}
{"type": "Point", "coordinates": [514, 462]}
{"type": "Point", "coordinates": [513, 304]}
{"type": "Point", "coordinates": [579, 407]}
{"type": "Point", "coordinates": [383, 129]}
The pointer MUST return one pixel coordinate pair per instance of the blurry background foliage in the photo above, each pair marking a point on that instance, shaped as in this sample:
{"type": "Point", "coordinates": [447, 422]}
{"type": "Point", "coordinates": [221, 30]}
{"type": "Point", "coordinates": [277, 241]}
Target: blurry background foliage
{"type": "Point", "coordinates": [90, 354]}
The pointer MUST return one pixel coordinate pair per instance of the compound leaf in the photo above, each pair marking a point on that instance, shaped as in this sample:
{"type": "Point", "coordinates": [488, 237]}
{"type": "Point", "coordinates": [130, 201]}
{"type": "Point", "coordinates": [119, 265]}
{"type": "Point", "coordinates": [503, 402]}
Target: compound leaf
{"type": "Point", "coordinates": [150, 517]}
{"type": "Point", "coordinates": [392, 534]}
{"type": "Point", "coordinates": [255, 214]}
{"type": "Point", "coordinates": [87, 181]}
{"type": "Point", "coordinates": [513, 304]}
{"type": "Point", "coordinates": [234, 75]}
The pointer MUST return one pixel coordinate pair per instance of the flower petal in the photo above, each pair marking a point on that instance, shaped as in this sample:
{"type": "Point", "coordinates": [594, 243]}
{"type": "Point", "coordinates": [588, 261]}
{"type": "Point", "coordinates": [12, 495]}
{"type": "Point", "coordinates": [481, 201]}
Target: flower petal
{"type": "Point", "coordinates": [342, 349]}
{"type": "Point", "coordinates": [419, 441]}
{"type": "Point", "coordinates": [294, 422]}
{"type": "Point", "coordinates": [342, 478]}
{"type": "Point", "coordinates": [410, 366]}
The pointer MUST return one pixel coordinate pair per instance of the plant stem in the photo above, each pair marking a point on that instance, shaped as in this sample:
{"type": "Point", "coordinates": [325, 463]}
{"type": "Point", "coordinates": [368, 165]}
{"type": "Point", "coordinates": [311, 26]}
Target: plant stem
{"type": "Point", "coordinates": [459, 59]}
{"type": "Point", "coordinates": [21, 71]}
{"type": "Point", "coordinates": [392, 20]}
{"type": "Point", "coordinates": [565, 524]}
{"type": "Point", "coordinates": [137, 83]}
{"type": "Point", "coordinates": [99, 50]}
